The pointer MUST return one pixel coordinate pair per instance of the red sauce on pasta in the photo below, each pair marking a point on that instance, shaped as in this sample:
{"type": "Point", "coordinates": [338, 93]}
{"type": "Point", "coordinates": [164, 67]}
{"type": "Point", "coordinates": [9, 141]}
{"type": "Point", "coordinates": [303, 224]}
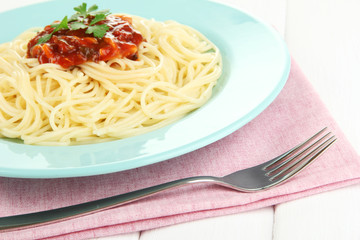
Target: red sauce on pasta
{"type": "Point", "coordinates": [74, 47]}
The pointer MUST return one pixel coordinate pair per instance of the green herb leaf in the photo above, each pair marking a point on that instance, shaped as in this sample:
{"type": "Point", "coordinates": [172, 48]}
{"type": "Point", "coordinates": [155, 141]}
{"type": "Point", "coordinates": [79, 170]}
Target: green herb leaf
{"type": "Point", "coordinates": [98, 18]}
{"type": "Point", "coordinates": [81, 9]}
{"type": "Point", "coordinates": [77, 22]}
{"type": "Point", "coordinates": [58, 26]}
{"type": "Point", "coordinates": [74, 17]}
{"type": "Point", "coordinates": [92, 8]}
{"type": "Point", "coordinates": [97, 30]}
{"type": "Point", "coordinates": [78, 25]}
{"type": "Point", "coordinates": [44, 39]}
{"type": "Point", "coordinates": [105, 11]}
{"type": "Point", "coordinates": [62, 25]}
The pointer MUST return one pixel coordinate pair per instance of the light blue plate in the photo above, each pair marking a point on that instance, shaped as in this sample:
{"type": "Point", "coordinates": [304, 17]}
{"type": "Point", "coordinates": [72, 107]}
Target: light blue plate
{"type": "Point", "coordinates": [256, 67]}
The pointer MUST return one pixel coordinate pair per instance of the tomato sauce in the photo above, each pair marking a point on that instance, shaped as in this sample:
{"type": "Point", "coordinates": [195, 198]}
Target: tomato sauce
{"type": "Point", "coordinates": [74, 47]}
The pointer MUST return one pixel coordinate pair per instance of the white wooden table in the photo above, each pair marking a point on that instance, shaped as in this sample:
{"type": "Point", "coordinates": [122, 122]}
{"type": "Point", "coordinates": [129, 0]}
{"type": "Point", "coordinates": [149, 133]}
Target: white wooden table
{"type": "Point", "coordinates": [324, 38]}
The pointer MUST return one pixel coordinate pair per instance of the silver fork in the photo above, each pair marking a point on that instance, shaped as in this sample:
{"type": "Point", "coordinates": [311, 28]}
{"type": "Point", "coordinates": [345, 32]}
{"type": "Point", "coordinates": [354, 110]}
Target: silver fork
{"type": "Point", "coordinates": [257, 178]}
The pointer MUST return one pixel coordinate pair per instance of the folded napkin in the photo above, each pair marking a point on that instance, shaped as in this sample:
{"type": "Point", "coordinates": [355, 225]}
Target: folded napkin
{"type": "Point", "coordinates": [296, 114]}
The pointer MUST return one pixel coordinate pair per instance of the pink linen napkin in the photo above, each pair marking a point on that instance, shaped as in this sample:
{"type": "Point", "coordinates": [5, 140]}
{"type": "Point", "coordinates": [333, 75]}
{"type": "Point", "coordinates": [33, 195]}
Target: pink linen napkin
{"type": "Point", "coordinates": [294, 115]}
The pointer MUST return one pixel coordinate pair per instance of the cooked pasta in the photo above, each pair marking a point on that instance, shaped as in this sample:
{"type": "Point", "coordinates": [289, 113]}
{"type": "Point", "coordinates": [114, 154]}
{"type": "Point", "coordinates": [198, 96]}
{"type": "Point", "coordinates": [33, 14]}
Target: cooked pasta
{"type": "Point", "coordinates": [46, 104]}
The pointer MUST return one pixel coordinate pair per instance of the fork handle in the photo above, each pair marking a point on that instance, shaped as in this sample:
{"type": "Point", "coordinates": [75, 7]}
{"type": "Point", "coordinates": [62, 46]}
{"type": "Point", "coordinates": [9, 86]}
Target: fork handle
{"type": "Point", "coordinates": [24, 221]}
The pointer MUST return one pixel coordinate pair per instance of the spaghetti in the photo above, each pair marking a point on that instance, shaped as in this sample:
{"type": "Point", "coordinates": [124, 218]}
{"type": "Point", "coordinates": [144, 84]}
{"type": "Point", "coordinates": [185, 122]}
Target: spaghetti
{"type": "Point", "coordinates": [46, 104]}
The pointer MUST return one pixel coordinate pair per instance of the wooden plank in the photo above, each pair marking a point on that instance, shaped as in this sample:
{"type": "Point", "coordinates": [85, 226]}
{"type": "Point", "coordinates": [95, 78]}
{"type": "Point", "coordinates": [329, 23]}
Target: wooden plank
{"type": "Point", "coordinates": [327, 216]}
{"type": "Point", "coordinates": [256, 224]}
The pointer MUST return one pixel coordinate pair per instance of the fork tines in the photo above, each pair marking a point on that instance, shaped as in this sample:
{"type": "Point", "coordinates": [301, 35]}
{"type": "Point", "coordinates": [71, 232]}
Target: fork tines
{"type": "Point", "coordinates": [299, 157]}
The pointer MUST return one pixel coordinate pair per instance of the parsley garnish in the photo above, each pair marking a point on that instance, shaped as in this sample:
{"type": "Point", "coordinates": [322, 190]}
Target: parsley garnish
{"type": "Point", "coordinates": [77, 21]}
{"type": "Point", "coordinates": [62, 25]}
